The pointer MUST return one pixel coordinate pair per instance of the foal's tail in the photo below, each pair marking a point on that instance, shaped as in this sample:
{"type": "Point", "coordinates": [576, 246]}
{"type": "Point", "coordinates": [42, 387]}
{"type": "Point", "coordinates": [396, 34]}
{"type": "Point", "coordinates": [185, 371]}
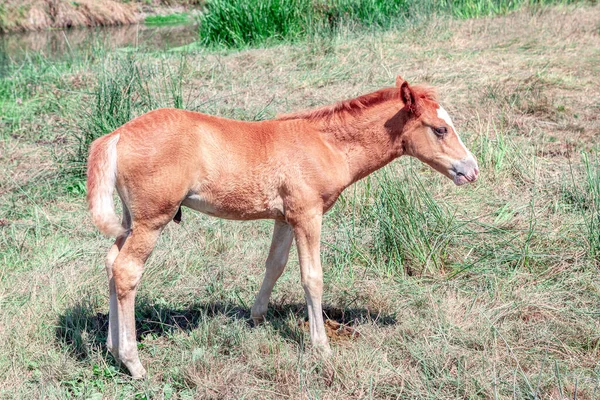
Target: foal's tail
{"type": "Point", "coordinates": [101, 179]}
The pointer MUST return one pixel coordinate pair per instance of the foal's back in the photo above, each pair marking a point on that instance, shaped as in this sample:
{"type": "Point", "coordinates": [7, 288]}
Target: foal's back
{"type": "Point", "coordinates": [226, 168]}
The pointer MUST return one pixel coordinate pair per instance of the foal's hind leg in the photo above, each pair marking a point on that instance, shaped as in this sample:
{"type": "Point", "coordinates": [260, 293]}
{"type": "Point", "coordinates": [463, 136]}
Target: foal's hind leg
{"type": "Point", "coordinates": [113, 323]}
{"type": "Point", "coordinates": [278, 256]}
{"type": "Point", "coordinates": [127, 272]}
{"type": "Point", "coordinates": [110, 260]}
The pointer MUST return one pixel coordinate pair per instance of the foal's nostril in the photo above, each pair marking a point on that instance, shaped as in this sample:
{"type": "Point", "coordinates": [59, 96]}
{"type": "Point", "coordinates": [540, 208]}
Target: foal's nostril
{"type": "Point", "coordinates": [465, 170]}
{"type": "Point", "coordinates": [472, 177]}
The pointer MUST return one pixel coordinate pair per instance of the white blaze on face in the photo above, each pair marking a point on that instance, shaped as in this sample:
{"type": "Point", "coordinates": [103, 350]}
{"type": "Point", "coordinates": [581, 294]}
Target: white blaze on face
{"type": "Point", "coordinates": [464, 170]}
{"type": "Point", "coordinates": [443, 114]}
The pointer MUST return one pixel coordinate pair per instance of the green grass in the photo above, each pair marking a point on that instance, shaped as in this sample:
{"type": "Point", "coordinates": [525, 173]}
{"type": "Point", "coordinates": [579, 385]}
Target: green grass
{"type": "Point", "coordinates": [414, 229]}
{"type": "Point", "coordinates": [170, 19]}
{"type": "Point", "coordinates": [484, 291]}
{"type": "Point", "coordinates": [238, 23]}
{"type": "Point", "coordinates": [592, 218]}
{"type": "Point", "coordinates": [126, 87]}
{"type": "Point", "coordinates": [242, 23]}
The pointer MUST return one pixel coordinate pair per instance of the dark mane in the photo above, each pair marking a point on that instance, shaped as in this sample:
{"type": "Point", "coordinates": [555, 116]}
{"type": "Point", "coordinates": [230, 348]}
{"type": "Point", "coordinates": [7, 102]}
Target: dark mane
{"type": "Point", "coordinates": [356, 105]}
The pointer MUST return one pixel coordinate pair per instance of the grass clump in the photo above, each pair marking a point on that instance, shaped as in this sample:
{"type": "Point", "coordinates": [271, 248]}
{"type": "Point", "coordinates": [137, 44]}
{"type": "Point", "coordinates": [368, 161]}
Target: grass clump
{"type": "Point", "coordinates": [592, 221]}
{"type": "Point", "coordinates": [240, 23]}
{"type": "Point", "coordinates": [412, 233]}
{"type": "Point", "coordinates": [127, 87]}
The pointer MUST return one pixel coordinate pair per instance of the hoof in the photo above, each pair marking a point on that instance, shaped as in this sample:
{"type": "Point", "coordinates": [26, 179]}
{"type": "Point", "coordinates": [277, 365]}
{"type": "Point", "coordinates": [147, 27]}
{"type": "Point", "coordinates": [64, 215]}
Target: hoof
{"type": "Point", "coordinates": [139, 376]}
{"type": "Point", "coordinates": [134, 366]}
{"type": "Point", "coordinates": [137, 372]}
{"type": "Point", "coordinates": [258, 319]}
{"type": "Point", "coordinates": [323, 350]}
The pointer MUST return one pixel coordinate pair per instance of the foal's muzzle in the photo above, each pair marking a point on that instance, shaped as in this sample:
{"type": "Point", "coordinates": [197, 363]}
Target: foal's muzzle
{"type": "Point", "coordinates": [464, 171]}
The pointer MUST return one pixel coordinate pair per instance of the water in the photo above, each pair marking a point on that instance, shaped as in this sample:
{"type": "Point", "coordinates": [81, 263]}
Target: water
{"type": "Point", "coordinates": [58, 44]}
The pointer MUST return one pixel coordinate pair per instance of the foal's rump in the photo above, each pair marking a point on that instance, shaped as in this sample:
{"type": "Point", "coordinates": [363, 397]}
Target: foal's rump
{"type": "Point", "coordinates": [148, 160]}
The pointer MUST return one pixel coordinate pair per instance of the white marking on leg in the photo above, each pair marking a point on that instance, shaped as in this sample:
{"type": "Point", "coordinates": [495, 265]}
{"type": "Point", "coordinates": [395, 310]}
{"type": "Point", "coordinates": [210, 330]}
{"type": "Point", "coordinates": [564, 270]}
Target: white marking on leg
{"type": "Point", "coordinates": [112, 340]}
{"type": "Point", "coordinates": [308, 242]}
{"type": "Point", "coordinates": [113, 324]}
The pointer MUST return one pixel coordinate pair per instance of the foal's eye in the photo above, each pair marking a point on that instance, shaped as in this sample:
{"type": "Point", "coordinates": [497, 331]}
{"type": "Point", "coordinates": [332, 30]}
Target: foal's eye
{"type": "Point", "coordinates": [441, 131]}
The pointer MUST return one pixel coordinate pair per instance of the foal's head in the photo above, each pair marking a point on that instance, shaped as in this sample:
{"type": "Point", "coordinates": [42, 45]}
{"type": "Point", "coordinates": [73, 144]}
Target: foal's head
{"type": "Point", "coordinates": [430, 136]}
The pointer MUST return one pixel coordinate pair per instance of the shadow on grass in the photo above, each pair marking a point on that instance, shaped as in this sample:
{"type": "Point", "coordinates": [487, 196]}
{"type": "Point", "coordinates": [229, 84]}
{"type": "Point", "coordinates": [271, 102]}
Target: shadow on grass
{"type": "Point", "coordinates": [82, 331]}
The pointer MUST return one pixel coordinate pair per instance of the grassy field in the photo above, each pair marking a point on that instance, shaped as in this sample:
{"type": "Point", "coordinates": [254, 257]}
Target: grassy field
{"type": "Point", "coordinates": [489, 291]}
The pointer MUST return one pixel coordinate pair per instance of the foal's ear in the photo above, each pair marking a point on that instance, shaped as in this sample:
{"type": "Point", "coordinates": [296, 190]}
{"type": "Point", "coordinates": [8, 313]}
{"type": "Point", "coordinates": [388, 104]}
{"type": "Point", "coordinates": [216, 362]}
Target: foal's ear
{"type": "Point", "coordinates": [408, 97]}
{"type": "Point", "coordinates": [399, 81]}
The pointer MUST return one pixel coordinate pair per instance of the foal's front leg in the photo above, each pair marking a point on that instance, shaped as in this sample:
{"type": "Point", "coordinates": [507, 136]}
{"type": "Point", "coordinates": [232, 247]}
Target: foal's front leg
{"type": "Point", "coordinates": [308, 238]}
{"type": "Point", "coordinates": [278, 256]}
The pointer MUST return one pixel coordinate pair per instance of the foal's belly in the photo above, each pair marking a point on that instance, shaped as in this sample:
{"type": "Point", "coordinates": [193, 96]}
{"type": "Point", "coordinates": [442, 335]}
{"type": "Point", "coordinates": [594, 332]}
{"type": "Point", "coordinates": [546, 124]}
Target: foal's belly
{"type": "Point", "coordinates": [236, 207]}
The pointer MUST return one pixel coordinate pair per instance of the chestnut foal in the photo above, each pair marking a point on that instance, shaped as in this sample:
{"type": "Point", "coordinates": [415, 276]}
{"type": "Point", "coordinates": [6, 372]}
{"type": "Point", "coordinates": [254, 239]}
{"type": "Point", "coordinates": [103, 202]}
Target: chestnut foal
{"type": "Point", "coordinates": [291, 169]}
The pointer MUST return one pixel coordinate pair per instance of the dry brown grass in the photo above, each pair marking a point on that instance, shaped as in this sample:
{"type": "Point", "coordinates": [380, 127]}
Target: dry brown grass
{"type": "Point", "coordinates": [30, 15]}
{"type": "Point", "coordinates": [44, 14]}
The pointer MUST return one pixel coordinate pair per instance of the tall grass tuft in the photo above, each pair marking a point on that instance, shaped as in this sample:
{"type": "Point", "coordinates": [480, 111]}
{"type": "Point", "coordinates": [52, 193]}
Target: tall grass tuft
{"type": "Point", "coordinates": [413, 228]}
{"type": "Point", "coordinates": [592, 219]}
{"type": "Point", "coordinates": [127, 87]}
{"type": "Point", "coordinates": [240, 23]}
{"type": "Point", "coordinates": [113, 106]}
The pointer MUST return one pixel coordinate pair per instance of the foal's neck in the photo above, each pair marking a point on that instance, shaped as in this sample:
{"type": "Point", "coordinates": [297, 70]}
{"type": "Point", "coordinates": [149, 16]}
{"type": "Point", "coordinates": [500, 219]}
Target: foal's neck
{"type": "Point", "coordinates": [369, 140]}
